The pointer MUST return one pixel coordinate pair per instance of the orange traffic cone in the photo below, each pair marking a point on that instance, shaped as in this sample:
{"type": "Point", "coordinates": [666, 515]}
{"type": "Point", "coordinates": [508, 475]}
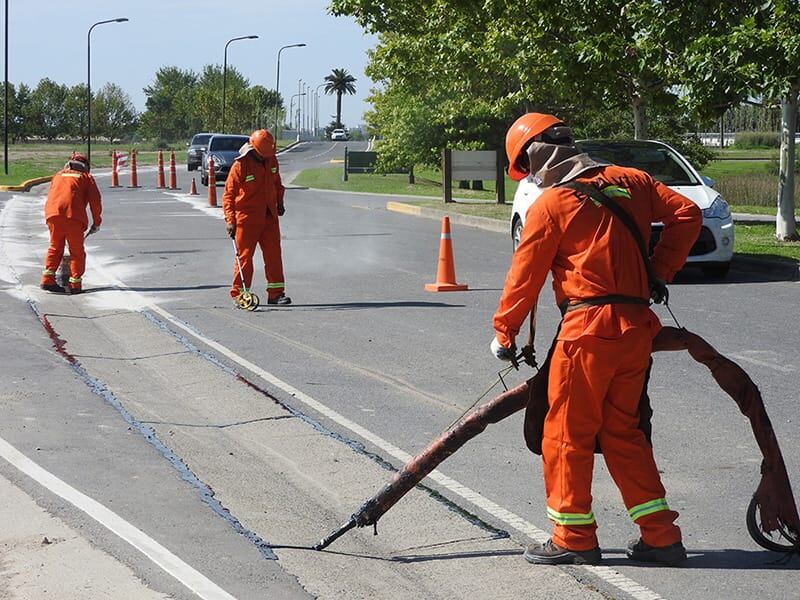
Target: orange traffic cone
{"type": "Point", "coordinates": [160, 183]}
{"type": "Point", "coordinates": [446, 272]}
{"type": "Point", "coordinates": [193, 189]}
{"type": "Point", "coordinates": [212, 183]}
{"type": "Point", "coordinates": [134, 177]}
{"type": "Point", "coordinates": [173, 178]}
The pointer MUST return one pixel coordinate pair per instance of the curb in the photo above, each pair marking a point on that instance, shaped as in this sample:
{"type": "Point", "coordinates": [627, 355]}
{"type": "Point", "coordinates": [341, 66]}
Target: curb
{"type": "Point", "coordinates": [786, 269]}
{"type": "Point", "coordinates": [431, 213]}
{"type": "Point", "coordinates": [25, 186]}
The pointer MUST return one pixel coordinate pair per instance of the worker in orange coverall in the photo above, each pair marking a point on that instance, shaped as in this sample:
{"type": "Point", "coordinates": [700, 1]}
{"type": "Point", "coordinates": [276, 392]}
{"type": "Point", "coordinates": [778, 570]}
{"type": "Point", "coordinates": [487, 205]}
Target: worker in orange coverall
{"type": "Point", "coordinates": [603, 347]}
{"type": "Point", "coordinates": [71, 190]}
{"type": "Point", "coordinates": [252, 203]}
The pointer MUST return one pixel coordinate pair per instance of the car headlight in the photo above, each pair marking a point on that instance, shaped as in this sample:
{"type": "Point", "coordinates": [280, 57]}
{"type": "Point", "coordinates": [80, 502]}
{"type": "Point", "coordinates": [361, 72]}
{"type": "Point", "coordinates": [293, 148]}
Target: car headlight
{"type": "Point", "coordinates": [218, 160]}
{"type": "Point", "coordinates": [719, 209]}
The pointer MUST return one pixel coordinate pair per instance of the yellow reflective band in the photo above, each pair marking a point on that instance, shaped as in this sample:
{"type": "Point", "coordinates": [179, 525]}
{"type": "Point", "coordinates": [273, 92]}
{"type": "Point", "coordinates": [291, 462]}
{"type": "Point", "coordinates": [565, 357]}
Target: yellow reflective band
{"type": "Point", "coordinates": [273, 286]}
{"type": "Point", "coordinates": [648, 508]}
{"type": "Point", "coordinates": [48, 272]}
{"type": "Point", "coordinates": [250, 178]}
{"type": "Point", "coordinates": [75, 175]}
{"type": "Point", "coordinates": [75, 279]}
{"type": "Point", "coordinates": [615, 191]}
{"type": "Point", "coordinates": [274, 169]}
{"type": "Point", "coordinates": [570, 518]}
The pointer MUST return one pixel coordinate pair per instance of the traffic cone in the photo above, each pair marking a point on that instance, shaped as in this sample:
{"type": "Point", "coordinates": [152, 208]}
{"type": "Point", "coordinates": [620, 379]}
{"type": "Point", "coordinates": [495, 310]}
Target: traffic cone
{"type": "Point", "coordinates": [446, 272]}
{"type": "Point", "coordinates": [134, 177]}
{"type": "Point", "coordinates": [193, 189]}
{"type": "Point", "coordinates": [212, 183]}
{"type": "Point", "coordinates": [114, 171]}
{"type": "Point", "coordinates": [173, 178]}
{"type": "Point", "coordinates": [160, 183]}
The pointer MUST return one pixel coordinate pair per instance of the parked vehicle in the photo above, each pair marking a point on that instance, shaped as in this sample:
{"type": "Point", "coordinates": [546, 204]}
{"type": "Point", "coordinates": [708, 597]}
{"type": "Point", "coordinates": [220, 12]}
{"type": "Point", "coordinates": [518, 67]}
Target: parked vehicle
{"type": "Point", "coordinates": [713, 250]}
{"type": "Point", "coordinates": [338, 135]}
{"type": "Point", "coordinates": [194, 154]}
{"type": "Point", "coordinates": [224, 148]}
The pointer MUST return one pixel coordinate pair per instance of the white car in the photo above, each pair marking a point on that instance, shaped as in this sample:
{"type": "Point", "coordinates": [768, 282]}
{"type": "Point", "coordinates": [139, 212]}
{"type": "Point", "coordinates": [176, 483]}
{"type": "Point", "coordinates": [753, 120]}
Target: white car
{"type": "Point", "coordinates": [713, 250]}
{"type": "Point", "coordinates": [339, 135]}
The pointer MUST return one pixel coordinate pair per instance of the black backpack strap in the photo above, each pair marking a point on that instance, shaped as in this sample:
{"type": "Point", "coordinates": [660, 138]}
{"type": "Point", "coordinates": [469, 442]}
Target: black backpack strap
{"type": "Point", "coordinates": [597, 195]}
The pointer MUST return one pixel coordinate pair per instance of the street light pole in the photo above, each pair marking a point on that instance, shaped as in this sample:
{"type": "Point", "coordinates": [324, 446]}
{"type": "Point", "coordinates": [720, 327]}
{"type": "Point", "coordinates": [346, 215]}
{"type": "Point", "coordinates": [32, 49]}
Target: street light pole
{"type": "Point", "coordinates": [278, 85]}
{"type": "Point", "coordinates": [291, 107]}
{"type": "Point", "coordinates": [316, 110]}
{"type": "Point", "coordinates": [5, 106]}
{"type": "Point", "coordinates": [88, 80]}
{"type": "Point", "coordinates": [225, 72]}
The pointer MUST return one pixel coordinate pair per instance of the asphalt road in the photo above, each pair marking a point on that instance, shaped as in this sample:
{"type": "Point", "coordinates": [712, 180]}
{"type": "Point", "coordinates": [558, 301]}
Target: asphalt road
{"type": "Point", "coordinates": [365, 368]}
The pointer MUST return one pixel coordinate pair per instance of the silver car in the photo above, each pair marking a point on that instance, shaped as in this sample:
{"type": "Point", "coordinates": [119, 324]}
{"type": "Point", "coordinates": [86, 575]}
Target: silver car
{"type": "Point", "coordinates": [713, 250]}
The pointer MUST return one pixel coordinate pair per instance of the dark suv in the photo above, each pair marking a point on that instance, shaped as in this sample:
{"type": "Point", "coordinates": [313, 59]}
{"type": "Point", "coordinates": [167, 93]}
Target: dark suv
{"type": "Point", "coordinates": [224, 148]}
{"type": "Point", "coordinates": [194, 155]}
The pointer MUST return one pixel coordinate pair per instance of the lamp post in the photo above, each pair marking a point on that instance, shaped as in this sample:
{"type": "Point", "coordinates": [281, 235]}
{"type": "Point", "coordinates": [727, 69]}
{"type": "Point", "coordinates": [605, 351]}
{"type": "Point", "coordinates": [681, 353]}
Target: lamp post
{"type": "Point", "coordinates": [316, 107]}
{"type": "Point", "coordinates": [291, 108]}
{"type": "Point", "coordinates": [89, 83]}
{"type": "Point", "coordinates": [5, 105]}
{"type": "Point", "coordinates": [278, 84]}
{"type": "Point", "coordinates": [225, 72]}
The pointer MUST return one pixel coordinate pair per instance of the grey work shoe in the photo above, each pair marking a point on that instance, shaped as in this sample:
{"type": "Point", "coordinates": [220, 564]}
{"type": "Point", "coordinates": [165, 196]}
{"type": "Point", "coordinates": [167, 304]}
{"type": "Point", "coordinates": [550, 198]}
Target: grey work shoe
{"type": "Point", "coordinates": [551, 553]}
{"type": "Point", "coordinates": [53, 287]}
{"type": "Point", "coordinates": [282, 300]}
{"type": "Point", "coordinates": [671, 555]}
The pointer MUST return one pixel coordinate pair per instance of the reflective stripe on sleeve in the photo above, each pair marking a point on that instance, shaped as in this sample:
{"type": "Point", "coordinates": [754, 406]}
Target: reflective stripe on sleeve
{"type": "Point", "coordinates": [250, 178]}
{"type": "Point", "coordinates": [570, 518]}
{"type": "Point", "coordinates": [274, 169]}
{"type": "Point", "coordinates": [648, 508]}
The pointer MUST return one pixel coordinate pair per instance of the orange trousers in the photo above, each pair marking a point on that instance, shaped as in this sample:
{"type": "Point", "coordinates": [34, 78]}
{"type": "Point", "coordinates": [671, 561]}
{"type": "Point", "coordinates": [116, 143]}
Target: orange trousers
{"type": "Point", "coordinates": [268, 236]}
{"type": "Point", "coordinates": [594, 391]}
{"type": "Point", "coordinates": [69, 231]}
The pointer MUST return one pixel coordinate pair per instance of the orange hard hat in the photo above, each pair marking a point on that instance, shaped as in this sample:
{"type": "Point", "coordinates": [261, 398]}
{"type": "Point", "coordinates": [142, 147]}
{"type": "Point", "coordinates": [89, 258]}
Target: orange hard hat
{"type": "Point", "coordinates": [524, 129]}
{"type": "Point", "coordinates": [263, 143]}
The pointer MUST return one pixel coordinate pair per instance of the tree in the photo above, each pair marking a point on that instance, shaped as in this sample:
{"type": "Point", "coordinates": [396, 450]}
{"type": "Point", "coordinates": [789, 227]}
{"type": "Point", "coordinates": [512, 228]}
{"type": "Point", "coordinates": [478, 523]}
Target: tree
{"type": "Point", "coordinates": [264, 102]}
{"type": "Point", "coordinates": [47, 114]}
{"type": "Point", "coordinates": [75, 112]}
{"type": "Point", "coordinates": [20, 127]}
{"type": "Point", "coordinates": [169, 107]}
{"type": "Point", "coordinates": [116, 115]}
{"type": "Point", "coordinates": [208, 100]}
{"type": "Point", "coordinates": [339, 82]}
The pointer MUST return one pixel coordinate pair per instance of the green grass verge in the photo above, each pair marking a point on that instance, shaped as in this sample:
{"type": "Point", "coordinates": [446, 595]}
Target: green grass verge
{"type": "Point", "coordinates": [718, 169]}
{"type": "Point", "coordinates": [759, 240]}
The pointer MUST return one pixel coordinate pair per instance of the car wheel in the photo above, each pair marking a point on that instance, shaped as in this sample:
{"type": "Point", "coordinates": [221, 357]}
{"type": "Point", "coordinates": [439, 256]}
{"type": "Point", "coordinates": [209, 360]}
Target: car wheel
{"type": "Point", "coordinates": [717, 271]}
{"type": "Point", "coordinates": [516, 233]}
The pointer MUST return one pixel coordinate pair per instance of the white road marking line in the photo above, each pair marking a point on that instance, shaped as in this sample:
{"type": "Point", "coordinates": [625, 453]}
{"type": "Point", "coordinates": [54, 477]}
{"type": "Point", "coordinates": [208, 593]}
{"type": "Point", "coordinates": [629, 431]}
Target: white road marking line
{"type": "Point", "coordinates": [166, 560]}
{"type": "Point", "coordinates": [761, 363]}
{"type": "Point", "coordinates": [609, 575]}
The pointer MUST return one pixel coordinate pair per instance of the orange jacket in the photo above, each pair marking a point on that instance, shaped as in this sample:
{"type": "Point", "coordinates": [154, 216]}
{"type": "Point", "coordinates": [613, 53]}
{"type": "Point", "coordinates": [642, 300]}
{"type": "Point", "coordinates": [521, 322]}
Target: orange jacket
{"type": "Point", "coordinates": [253, 191]}
{"type": "Point", "coordinates": [70, 192]}
{"type": "Point", "coordinates": [592, 253]}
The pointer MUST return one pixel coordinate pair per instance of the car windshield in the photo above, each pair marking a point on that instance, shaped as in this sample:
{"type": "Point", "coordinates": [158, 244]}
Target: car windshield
{"type": "Point", "coordinates": [658, 161]}
{"type": "Point", "coordinates": [227, 143]}
{"type": "Point", "coordinates": [200, 140]}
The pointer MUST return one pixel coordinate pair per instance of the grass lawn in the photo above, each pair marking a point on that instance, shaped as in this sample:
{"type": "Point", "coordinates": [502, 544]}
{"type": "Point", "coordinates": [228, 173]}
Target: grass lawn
{"type": "Point", "coordinates": [719, 169]}
{"type": "Point", "coordinates": [759, 240]}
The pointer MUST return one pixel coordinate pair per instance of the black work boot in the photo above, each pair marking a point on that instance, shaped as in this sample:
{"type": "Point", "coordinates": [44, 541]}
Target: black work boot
{"type": "Point", "coordinates": [282, 300]}
{"type": "Point", "coordinates": [672, 555]}
{"type": "Point", "coordinates": [53, 287]}
{"type": "Point", "coordinates": [551, 553]}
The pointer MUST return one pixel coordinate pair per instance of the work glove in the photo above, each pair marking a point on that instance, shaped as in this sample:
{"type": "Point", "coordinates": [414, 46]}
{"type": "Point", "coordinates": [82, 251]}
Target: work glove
{"type": "Point", "coordinates": [281, 210]}
{"type": "Point", "coordinates": [231, 229]}
{"type": "Point", "coordinates": [659, 293]}
{"type": "Point", "coordinates": [501, 352]}
{"type": "Point", "coordinates": [93, 229]}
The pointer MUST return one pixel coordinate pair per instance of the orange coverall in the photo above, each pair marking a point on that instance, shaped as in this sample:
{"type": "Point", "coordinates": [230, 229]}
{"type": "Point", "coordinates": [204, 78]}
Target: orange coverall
{"type": "Point", "coordinates": [602, 352]}
{"type": "Point", "coordinates": [253, 195]}
{"type": "Point", "coordinates": [65, 213]}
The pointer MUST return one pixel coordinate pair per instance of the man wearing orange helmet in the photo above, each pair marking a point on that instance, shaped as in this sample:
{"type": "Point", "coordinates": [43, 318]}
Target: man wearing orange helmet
{"type": "Point", "coordinates": [252, 203]}
{"type": "Point", "coordinates": [603, 345]}
{"type": "Point", "coordinates": [71, 190]}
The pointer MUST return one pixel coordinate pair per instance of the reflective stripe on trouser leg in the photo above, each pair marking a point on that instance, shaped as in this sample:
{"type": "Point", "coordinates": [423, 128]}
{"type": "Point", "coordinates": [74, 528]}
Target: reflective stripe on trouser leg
{"type": "Point", "coordinates": [570, 518]}
{"type": "Point", "coordinates": [270, 242]}
{"type": "Point", "coordinates": [647, 508]}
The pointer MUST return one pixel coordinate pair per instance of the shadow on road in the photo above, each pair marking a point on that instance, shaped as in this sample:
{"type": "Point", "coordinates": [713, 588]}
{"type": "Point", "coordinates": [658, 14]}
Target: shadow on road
{"type": "Point", "coordinates": [363, 305]}
{"type": "Point", "coordinates": [727, 559]}
{"type": "Point", "coordinates": [112, 288]}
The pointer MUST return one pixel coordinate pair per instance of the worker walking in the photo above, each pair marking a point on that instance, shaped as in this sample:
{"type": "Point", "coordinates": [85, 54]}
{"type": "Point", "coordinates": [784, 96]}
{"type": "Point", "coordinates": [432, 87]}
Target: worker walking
{"type": "Point", "coordinates": [252, 203]}
{"type": "Point", "coordinates": [603, 346]}
{"type": "Point", "coordinates": [71, 190]}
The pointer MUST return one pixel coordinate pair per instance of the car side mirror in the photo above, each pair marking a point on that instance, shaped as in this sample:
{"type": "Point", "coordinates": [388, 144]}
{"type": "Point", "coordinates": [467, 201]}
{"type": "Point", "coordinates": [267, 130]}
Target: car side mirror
{"type": "Point", "coordinates": [708, 181]}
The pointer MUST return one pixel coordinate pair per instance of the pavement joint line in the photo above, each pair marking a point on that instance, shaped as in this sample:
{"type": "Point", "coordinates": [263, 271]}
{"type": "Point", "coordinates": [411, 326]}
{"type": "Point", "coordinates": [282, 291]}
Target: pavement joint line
{"type": "Point", "coordinates": [607, 574]}
{"type": "Point", "coordinates": [158, 554]}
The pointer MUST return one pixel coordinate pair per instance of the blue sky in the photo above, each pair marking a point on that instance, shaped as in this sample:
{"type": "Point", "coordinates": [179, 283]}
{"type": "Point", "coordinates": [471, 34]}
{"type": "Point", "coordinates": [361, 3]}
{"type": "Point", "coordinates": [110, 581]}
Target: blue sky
{"type": "Point", "coordinates": [47, 38]}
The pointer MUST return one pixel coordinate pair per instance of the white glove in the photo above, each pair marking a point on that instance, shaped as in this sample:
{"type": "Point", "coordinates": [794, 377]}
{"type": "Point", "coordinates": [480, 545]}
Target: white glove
{"type": "Point", "coordinates": [501, 351]}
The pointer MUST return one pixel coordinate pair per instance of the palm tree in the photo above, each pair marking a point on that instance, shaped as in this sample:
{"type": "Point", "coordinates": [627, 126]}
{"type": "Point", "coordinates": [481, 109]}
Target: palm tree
{"type": "Point", "coordinates": [339, 82]}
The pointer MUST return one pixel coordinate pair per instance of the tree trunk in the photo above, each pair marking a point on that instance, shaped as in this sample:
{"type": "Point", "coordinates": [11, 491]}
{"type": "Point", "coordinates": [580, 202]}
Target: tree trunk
{"type": "Point", "coordinates": [339, 109]}
{"type": "Point", "coordinates": [640, 124]}
{"type": "Point", "coordinates": [785, 224]}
